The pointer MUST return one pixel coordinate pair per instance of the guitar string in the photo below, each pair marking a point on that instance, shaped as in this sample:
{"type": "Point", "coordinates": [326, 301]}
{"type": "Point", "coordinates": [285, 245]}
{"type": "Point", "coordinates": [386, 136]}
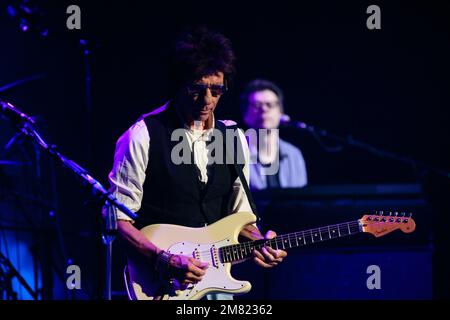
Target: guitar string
{"type": "Point", "coordinates": [279, 240]}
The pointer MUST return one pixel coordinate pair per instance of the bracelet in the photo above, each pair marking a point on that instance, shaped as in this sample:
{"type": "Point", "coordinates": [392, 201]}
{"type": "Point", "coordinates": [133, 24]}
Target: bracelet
{"type": "Point", "coordinates": [162, 261]}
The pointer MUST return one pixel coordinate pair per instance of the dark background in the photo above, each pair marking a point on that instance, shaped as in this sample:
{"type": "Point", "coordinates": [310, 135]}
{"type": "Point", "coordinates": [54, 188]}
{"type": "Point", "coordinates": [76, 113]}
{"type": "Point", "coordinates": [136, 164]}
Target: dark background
{"type": "Point", "coordinates": [387, 87]}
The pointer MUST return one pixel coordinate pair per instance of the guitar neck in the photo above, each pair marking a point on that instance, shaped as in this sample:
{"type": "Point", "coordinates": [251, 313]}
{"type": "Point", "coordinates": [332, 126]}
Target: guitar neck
{"type": "Point", "coordinates": [244, 250]}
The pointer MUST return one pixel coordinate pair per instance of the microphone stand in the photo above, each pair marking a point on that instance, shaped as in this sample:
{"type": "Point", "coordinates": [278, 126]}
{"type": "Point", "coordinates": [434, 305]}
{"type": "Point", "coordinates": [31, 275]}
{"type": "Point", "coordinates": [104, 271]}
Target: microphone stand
{"type": "Point", "coordinates": [10, 273]}
{"type": "Point", "coordinates": [348, 140]}
{"type": "Point", "coordinates": [27, 126]}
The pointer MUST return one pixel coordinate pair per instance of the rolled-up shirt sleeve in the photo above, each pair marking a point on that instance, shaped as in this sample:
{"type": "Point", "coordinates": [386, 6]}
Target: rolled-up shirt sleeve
{"type": "Point", "coordinates": [129, 169]}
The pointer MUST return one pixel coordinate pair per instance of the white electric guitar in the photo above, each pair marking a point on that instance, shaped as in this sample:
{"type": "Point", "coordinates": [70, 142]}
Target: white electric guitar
{"type": "Point", "coordinates": [218, 245]}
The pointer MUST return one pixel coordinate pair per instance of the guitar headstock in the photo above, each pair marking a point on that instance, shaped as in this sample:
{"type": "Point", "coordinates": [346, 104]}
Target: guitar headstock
{"type": "Point", "coordinates": [383, 222]}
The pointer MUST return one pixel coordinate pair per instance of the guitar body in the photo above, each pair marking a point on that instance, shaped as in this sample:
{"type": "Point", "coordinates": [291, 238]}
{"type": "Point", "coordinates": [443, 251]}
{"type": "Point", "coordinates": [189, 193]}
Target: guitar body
{"type": "Point", "coordinates": [218, 245]}
{"type": "Point", "coordinates": [201, 243]}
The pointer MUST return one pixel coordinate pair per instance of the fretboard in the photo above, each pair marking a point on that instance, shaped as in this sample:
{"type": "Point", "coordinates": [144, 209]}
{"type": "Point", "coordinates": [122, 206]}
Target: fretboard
{"type": "Point", "coordinates": [244, 250]}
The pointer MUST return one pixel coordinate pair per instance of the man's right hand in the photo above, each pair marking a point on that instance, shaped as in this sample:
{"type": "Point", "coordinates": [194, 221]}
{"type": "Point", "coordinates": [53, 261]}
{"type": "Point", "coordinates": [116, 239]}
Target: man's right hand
{"type": "Point", "coordinates": [186, 269]}
{"type": "Point", "coordinates": [183, 268]}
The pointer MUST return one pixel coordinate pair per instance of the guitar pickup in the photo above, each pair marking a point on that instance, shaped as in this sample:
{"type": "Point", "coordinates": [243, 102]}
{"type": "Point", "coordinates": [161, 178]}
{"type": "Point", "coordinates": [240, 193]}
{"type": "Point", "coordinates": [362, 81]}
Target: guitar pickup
{"type": "Point", "coordinates": [196, 254]}
{"type": "Point", "coordinates": [215, 256]}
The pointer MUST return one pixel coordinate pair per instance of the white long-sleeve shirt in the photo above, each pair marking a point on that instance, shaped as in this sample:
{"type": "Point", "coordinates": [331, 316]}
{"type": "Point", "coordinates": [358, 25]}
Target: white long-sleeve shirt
{"type": "Point", "coordinates": [131, 159]}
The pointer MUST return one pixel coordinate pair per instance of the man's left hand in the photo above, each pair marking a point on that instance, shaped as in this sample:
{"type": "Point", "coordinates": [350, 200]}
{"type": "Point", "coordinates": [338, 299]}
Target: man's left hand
{"type": "Point", "coordinates": [268, 257]}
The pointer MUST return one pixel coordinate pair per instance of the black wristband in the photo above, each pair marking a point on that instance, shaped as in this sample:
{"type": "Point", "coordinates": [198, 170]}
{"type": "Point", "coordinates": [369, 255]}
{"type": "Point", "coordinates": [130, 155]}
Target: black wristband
{"type": "Point", "coordinates": [162, 261]}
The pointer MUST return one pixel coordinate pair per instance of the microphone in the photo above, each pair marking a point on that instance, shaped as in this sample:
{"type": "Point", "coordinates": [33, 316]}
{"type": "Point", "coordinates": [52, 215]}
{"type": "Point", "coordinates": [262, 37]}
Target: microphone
{"type": "Point", "coordinates": [286, 121]}
{"type": "Point", "coordinates": [15, 114]}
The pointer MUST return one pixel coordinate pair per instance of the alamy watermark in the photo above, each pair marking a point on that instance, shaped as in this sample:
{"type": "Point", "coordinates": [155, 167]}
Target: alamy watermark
{"type": "Point", "coordinates": [374, 20]}
{"type": "Point", "coordinates": [73, 281]}
{"type": "Point", "coordinates": [229, 148]}
{"type": "Point", "coordinates": [374, 280]}
{"type": "Point", "coordinates": [74, 19]}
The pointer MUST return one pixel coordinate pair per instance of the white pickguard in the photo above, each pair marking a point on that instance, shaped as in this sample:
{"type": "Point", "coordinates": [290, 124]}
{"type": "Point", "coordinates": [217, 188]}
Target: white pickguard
{"type": "Point", "coordinates": [217, 277]}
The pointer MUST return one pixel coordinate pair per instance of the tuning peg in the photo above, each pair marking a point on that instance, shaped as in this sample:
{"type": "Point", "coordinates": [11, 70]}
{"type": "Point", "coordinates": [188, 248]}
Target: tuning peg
{"type": "Point", "coordinates": [403, 214]}
{"type": "Point", "coordinates": [396, 213]}
{"type": "Point", "coordinates": [381, 213]}
{"type": "Point", "coordinates": [410, 214]}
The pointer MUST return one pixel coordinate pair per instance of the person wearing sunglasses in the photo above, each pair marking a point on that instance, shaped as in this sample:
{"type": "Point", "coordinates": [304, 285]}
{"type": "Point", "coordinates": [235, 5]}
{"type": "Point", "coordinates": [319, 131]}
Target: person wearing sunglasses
{"type": "Point", "coordinates": [147, 179]}
{"type": "Point", "coordinates": [275, 162]}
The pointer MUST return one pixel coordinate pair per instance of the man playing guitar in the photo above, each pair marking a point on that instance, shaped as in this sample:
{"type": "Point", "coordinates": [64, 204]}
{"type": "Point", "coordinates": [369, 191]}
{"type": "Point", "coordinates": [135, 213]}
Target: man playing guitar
{"type": "Point", "coordinates": [146, 179]}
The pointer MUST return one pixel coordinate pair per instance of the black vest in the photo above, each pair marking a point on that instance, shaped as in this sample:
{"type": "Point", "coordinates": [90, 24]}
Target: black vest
{"type": "Point", "coordinates": [173, 193]}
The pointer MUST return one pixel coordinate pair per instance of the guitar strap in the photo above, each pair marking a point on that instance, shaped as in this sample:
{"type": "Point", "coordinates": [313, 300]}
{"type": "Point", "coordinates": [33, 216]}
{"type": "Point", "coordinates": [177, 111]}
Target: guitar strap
{"type": "Point", "coordinates": [239, 167]}
{"type": "Point", "coordinates": [244, 182]}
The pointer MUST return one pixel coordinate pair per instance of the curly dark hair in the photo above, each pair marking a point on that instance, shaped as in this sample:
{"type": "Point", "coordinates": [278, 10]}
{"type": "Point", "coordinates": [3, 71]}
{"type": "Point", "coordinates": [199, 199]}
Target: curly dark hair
{"type": "Point", "coordinates": [201, 52]}
{"type": "Point", "coordinates": [260, 85]}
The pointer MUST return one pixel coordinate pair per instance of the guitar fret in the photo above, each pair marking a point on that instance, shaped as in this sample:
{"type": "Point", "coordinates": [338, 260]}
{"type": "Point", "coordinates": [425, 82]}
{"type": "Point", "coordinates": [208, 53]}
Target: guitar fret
{"type": "Point", "coordinates": [243, 250]}
{"type": "Point", "coordinates": [285, 242]}
{"type": "Point", "coordinates": [323, 233]}
{"type": "Point", "coordinates": [333, 232]}
{"type": "Point", "coordinates": [344, 230]}
{"type": "Point", "coordinates": [304, 237]}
